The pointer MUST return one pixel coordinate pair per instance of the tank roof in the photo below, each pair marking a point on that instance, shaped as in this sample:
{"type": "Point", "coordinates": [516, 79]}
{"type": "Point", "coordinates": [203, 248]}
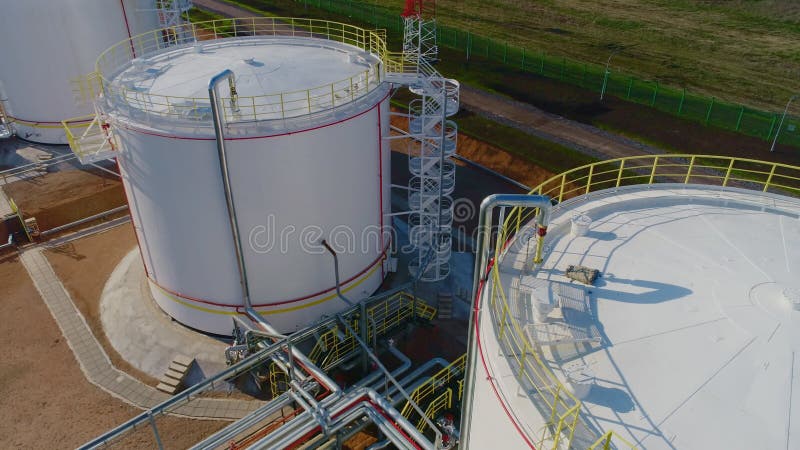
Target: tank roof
{"type": "Point", "coordinates": [689, 338]}
{"type": "Point", "coordinates": [284, 68]}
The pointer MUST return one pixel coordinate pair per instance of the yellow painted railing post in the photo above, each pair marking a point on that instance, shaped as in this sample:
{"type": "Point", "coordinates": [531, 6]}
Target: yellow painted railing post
{"type": "Point", "coordinates": [769, 178]}
{"type": "Point", "coordinates": [561, 191]}
{"type": "Point", "coordinates": [728, 173]}
{"type": "Point", "coordinates": [653, 172]}
{"type": "Point", "coordinates": [522, 360]}
{"type": "Point", "coordinates": [589, 179]}
{"type": "Point", "coordinates": [619, 174]}
{"type": "Point", "coordinates": [689, 172]}
{"type": "Point", "coordinates": [574, 425]}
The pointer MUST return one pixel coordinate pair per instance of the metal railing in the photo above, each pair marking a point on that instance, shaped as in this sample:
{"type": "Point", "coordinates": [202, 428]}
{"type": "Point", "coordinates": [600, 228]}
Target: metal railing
{"type": "Point", "coordinates": [442, 402]}
{"type": "Point", "coordinates": [559, 406]}
{"type": "Point", "coordinates": [137, 50]}
{"type": "Point", "coordinates": [337, 343]}
{"type": "Point", "coordinates": [439, 379]}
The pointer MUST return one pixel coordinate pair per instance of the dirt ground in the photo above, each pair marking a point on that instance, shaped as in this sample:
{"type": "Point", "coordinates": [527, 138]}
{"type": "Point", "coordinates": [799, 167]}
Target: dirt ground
{"type": "Point", "coordinates": [492, 157]}
{"type": "Point", "coordinates": [45, 401]}
{"type": "Point", "coordinates": [58, 198]}
{"type": "Point", "coordinates": [83, 266]}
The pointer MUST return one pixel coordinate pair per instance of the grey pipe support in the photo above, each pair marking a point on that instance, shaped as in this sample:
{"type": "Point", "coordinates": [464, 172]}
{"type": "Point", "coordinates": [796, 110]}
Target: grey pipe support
{"type": "Point", "coordinates": [481, 262]}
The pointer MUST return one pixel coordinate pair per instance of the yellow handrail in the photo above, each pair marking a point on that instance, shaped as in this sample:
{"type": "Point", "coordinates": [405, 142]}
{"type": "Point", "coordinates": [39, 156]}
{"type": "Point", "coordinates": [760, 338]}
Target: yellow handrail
{"type": "Point", "coordinates": [335, 344]}
{"type": "Point", "coordinates": [560, 407]}
{"type": "Point", "coordinates": [260, 107]}
{"type": "Point", "coordinates": [439, 379]}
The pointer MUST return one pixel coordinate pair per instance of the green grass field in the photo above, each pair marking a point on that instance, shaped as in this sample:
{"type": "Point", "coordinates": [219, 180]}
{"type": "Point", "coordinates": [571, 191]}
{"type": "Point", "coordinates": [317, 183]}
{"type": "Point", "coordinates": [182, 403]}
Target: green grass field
{"type": "Point", "coordinates": [739, 50]}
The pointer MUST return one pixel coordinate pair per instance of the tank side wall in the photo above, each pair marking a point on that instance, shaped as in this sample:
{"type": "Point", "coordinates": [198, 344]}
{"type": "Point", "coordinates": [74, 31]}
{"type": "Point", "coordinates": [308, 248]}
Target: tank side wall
{"type": "Point", "coordinates": [292, 191]}
{"type": "Point", "coordinates": [177, 201]}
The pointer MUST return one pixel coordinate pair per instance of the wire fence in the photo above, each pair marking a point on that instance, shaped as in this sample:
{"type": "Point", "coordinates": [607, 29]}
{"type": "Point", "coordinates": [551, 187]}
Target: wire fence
{"type": "Point", "coordinates": [676, 101]}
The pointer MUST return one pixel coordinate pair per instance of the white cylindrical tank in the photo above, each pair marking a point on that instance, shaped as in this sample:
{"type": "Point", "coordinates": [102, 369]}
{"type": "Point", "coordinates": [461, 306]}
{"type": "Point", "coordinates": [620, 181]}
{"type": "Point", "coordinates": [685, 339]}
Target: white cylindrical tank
{"type": "Point", "coordinates": [306, 160]}
{"type": "Point", "coordinates": [47, 44]}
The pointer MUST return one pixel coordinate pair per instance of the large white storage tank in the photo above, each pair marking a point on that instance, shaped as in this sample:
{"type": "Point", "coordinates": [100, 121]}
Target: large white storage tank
{"type": "Point", "coordinates": [47, 44]}
{"type": "Point", "coordinates": [306, 160]}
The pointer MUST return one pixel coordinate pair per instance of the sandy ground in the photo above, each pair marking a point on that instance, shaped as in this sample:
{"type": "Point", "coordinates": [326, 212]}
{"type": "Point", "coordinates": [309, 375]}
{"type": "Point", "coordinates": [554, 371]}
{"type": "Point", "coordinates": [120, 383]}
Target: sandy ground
{"type": "Point", "coordinates": [83, 266]}
{"type": "Point", "coordinates": [61, 197]}
{"type": "Point", "coordinates": [45, 401]}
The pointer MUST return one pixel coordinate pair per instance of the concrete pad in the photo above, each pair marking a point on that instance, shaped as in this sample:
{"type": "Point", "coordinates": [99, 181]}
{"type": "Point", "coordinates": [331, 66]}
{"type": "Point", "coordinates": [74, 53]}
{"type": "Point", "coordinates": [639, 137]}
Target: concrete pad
{"type": "Point", "coordinates": [145, 336]}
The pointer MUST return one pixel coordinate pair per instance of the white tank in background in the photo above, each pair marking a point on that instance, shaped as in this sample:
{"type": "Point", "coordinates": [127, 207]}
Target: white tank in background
{"type": "Point", "coordinates": [45, 45]}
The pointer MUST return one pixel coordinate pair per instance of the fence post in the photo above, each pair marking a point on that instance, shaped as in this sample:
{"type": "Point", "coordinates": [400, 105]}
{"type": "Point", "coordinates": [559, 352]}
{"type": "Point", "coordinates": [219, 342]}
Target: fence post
{"type": "Point", "coordinates": [710, 107]}
{"type": "Point", "coordinates": [739, 120]}
{"type": "Point", "coordinates": [505, 52]}
{"type": "Point", "coordinates": [563, 67]}
{"type": "Point", "coordinates": [523, 59]}
{"type": "Point", "coordinates": [541, 63]}
{"type": "Point", "coordinates": [772, 125]}
{"type": "Point", "coordinates": [680, 105]}
{"type": "Point", "coordinates": [630, 86]}
{"type": "Point", "coordinates": [655, 94]}
{"type": "Point", "coordinates": [469, 45]}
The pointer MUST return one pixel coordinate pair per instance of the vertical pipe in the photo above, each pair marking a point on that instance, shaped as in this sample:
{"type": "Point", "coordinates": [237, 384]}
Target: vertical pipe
{"type": "Point", "coordinates": [216, 114]}
{"type": "Point", "coordinates": [481, 263]}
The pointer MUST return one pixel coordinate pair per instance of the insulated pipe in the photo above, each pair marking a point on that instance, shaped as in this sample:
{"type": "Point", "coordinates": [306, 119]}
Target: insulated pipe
{"type": "Point", "coordinates": [362, 317]}
{"type": "Point", "coordinates": [372, 379]}
{"type": "Point", "coordinates": [216, 114]}
{"type": "Point", "coordinates": [481, 261]}
{"type": "Point", "coordinates": [303, 361]}
{"type": "Point", "coordinates": [347, 416]}
{"type": "Point", "coordinates": [388, 408]}
{"type": "Point", "coordinates": [336, 273]}
{"type": "Point", "coordinates": [305, 423]}
{"type": "Point", "coordinates": [225, 435]}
